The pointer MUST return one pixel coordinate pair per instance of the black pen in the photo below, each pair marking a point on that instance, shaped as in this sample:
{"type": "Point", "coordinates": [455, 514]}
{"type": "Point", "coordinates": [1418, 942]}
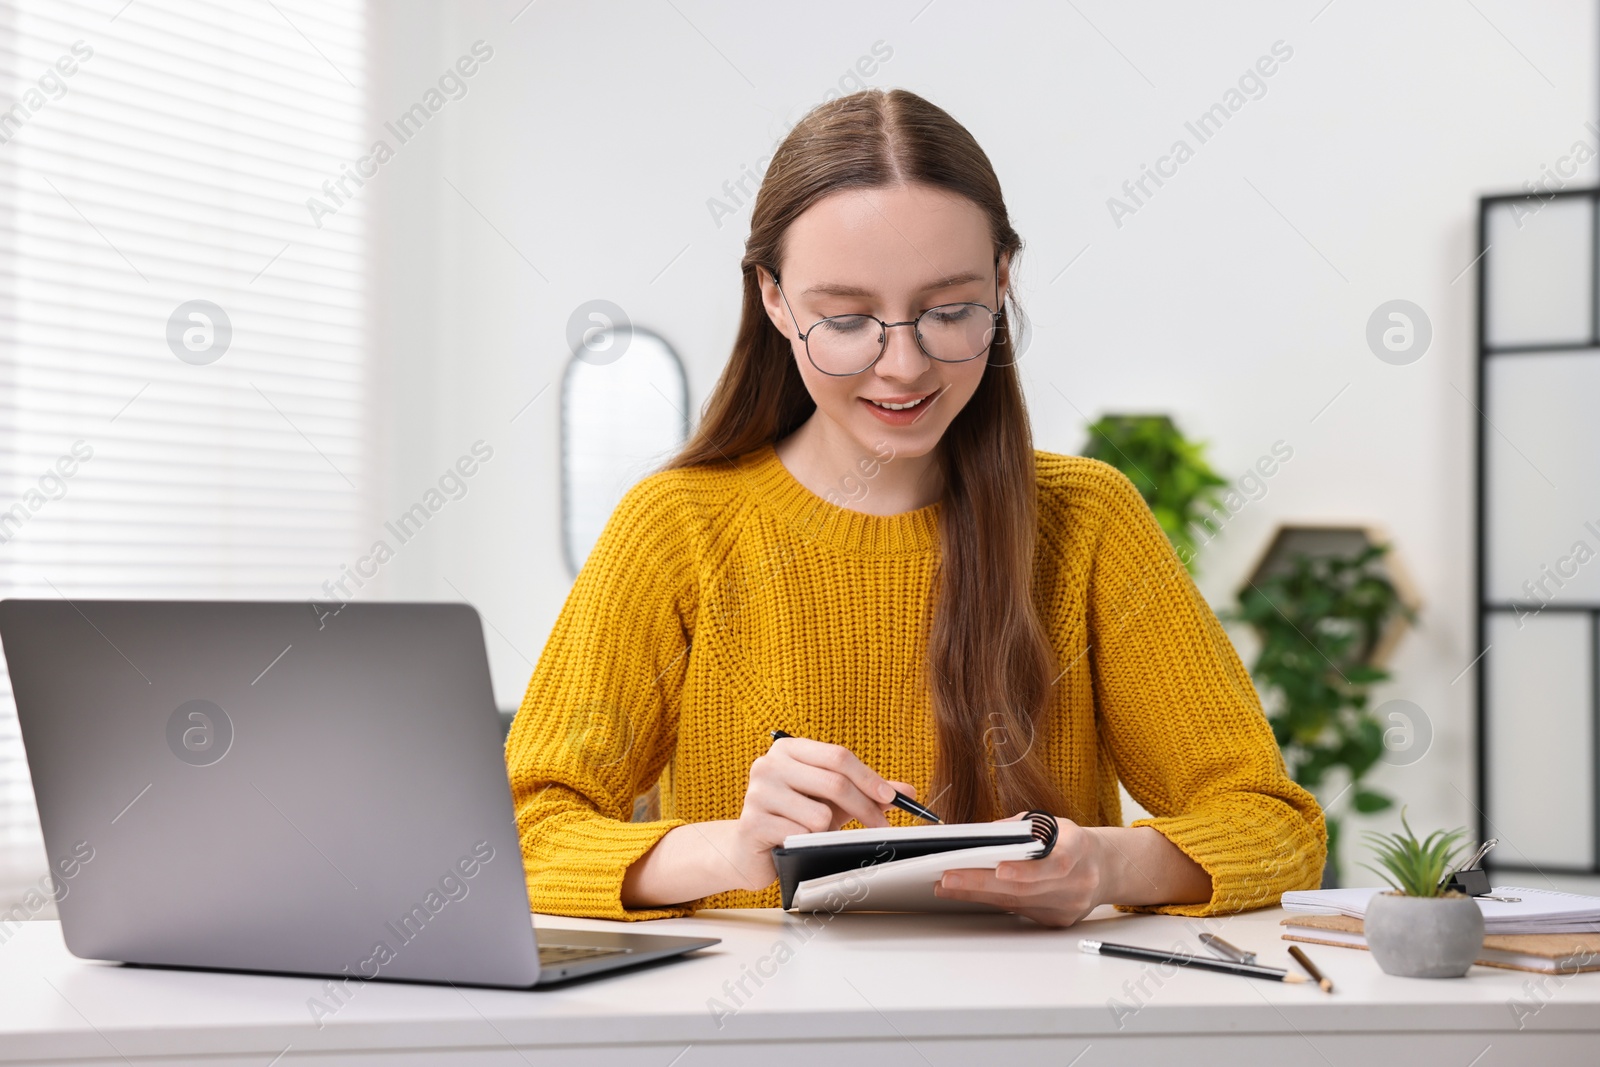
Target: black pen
{"type": "Point", "coordinates": [1180, 959]}
{"type": "Point", "coordinates": [901, 801]}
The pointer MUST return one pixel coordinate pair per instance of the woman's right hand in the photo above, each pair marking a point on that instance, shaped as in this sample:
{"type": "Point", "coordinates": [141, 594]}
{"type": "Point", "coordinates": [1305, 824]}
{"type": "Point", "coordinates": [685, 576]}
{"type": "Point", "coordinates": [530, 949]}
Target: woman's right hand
{"type": "Point", "coordinates": [800, 786]}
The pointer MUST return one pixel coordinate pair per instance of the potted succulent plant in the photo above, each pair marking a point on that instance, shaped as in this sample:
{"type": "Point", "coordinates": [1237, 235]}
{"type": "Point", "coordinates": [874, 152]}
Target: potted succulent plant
{"type": "Point", "coordinates": [1417, 930]}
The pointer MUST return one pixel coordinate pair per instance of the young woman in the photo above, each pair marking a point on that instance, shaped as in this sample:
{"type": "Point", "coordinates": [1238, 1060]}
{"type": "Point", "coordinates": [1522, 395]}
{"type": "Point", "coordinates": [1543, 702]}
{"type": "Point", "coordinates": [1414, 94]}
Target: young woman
{"type": "Point", "coordinates": [860, 547]}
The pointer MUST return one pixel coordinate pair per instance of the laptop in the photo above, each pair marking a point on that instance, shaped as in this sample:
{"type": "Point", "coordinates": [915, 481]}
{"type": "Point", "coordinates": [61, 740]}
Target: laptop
{"type": "Point", "coordinates": [276, 788]}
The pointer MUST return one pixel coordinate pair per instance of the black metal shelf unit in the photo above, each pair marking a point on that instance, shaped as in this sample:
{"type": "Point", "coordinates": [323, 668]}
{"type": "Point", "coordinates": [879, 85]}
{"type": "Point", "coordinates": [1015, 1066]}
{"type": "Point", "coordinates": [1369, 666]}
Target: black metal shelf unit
{"type": "Point", "coordinates": [1510, 794]}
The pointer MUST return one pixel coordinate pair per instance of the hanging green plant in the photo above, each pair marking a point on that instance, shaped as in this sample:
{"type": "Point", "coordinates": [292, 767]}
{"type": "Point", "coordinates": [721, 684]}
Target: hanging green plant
{"type": "Point", "coordinates": [1169, 470]}
{"type": "Point", "coordinates": [1320, 619]}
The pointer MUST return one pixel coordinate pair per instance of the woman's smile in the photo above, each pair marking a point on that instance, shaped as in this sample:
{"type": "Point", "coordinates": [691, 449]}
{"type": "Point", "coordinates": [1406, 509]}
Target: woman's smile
{"type": "Point", "coordinates": [902, 410]}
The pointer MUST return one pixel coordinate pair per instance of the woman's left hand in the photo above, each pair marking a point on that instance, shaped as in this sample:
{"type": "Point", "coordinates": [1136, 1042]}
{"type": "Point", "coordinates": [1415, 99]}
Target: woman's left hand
{"type": "Point", "coordinates": [1055, 890]}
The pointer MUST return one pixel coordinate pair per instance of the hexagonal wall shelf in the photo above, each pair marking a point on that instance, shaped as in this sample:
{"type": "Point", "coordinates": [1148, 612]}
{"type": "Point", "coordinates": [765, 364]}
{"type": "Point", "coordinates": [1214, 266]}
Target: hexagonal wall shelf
{"type": "Point", "coordinates": [1290, 540]}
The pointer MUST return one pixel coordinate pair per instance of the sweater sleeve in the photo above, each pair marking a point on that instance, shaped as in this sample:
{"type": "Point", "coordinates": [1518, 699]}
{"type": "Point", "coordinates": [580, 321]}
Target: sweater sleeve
{"type": "Point", "coordinates": [598, 722]}
{"type": "Point", "coordinates": [1184, 724]}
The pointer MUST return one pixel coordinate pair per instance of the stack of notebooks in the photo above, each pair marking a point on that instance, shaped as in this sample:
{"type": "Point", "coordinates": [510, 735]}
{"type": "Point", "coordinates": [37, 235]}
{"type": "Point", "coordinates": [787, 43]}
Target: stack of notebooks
{"type": "Point", "coordinates": [1543, 931]}
{"type": "Point", "coordinates": [895, 868]}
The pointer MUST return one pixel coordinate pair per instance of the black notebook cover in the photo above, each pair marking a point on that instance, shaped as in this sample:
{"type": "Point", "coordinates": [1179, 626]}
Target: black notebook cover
{"type": "Point", "coordinates": [796, 865]}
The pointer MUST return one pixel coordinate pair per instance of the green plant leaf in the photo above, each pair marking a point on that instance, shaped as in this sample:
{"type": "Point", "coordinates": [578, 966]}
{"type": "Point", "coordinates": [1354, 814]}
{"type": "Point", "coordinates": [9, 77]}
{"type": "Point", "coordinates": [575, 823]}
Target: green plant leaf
{"type": "Point", "coordinates": [1415, 867]}
{"type": "Point", "coordinates": [1367, 802]}
{"type": "Point", "coordinates": [1168, 469]}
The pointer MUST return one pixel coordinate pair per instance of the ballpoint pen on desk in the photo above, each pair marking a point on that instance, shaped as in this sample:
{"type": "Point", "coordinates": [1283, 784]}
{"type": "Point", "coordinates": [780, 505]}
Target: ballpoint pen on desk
{"type": "Point", "coordinates": [1225, 950]}
{"type": "Point", "coordinates": [901, 801]}
{"type": "Point", "coordinates": [1180, 959]}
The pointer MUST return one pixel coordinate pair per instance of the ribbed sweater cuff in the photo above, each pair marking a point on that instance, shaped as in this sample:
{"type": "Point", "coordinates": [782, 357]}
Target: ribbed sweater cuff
{"type": "Point", "coordinates": [1245, 873]}
{"type": "Point", "coordinates": [589, 858]}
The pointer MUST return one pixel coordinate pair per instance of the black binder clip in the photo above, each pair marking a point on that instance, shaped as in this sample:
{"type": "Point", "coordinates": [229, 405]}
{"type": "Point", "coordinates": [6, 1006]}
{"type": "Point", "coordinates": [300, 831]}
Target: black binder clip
{"type": "Point", "coordinates": [1472, 879]}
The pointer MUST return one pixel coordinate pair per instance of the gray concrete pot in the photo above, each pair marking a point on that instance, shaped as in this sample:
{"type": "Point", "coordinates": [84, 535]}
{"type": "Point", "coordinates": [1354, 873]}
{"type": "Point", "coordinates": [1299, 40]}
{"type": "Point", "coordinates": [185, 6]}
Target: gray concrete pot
{"type": "Point", "coordinates": [1424, 937]}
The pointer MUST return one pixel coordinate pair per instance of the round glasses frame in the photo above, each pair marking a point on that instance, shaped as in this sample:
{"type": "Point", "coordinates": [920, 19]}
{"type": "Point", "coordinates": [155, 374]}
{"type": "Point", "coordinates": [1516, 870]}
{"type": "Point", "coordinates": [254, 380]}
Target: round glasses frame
{"type": "Point", "coordinates": [885, 327]}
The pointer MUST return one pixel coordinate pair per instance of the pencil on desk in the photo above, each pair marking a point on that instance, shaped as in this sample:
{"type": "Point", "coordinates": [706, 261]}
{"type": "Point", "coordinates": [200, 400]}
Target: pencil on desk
{"type": "Point", "coordinates": [1311, 968]}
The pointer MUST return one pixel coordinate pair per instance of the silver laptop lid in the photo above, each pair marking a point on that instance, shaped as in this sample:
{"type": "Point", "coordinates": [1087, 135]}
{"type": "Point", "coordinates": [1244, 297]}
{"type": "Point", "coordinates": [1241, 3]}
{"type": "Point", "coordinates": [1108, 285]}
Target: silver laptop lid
{"type": "Point", "coordinates": [264, 786]}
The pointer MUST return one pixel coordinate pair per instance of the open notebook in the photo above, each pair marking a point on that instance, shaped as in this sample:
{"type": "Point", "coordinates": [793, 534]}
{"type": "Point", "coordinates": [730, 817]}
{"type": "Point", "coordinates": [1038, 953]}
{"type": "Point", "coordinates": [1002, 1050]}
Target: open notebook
{"type": "Point", "coordinates": [1538, 911]}
{"type": "Point", "coordinates": [895, 868]}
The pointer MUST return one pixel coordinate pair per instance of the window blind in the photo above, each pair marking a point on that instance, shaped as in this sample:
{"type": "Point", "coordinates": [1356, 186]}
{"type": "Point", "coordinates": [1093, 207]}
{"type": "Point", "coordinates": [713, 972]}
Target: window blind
{"type": "Point", "coordinates": [155, 155]}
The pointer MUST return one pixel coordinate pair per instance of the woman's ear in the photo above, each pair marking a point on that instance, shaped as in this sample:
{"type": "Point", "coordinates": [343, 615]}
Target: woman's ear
{"type": "Point", "coordinates": [1003, 279]}
{"type": "Point", "coordinates": [772, 300]}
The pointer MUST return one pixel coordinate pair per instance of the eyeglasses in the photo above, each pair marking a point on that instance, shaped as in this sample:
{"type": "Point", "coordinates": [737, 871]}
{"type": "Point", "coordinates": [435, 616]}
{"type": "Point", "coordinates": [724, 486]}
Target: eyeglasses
{"type": "Point", "coordinates": [842, 345]}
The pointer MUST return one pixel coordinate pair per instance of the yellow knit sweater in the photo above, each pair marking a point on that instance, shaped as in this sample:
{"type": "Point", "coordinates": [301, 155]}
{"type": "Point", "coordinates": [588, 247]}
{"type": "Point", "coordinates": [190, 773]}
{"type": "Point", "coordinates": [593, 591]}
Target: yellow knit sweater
{"type": "Point", "coordinates": [721, 603]}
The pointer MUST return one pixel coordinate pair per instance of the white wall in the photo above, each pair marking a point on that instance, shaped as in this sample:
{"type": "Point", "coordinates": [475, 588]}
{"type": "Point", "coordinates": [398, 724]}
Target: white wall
{"type": "Point", "coordinates": [1235, 298]}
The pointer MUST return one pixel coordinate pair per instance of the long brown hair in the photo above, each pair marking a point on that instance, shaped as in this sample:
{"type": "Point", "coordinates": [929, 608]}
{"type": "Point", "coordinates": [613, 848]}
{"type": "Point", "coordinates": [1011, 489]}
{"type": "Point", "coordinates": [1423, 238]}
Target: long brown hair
{"type": "Point", "coordinates": [990, 664]}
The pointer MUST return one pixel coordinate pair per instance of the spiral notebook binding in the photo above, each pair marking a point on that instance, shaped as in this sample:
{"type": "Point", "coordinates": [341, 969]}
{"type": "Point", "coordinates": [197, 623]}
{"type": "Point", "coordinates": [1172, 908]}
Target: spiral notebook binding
{"type": "Point", "coordinates": [1044, 829]}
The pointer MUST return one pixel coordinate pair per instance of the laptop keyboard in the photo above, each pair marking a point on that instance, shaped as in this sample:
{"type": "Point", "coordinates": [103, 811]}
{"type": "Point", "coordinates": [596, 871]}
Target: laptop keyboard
{"type": "Point", "coordinates": [553, 954]}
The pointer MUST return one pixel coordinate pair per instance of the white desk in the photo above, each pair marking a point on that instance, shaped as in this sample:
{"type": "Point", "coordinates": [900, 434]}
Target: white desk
{"type": "Point", "coordinates": [885, 990]}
